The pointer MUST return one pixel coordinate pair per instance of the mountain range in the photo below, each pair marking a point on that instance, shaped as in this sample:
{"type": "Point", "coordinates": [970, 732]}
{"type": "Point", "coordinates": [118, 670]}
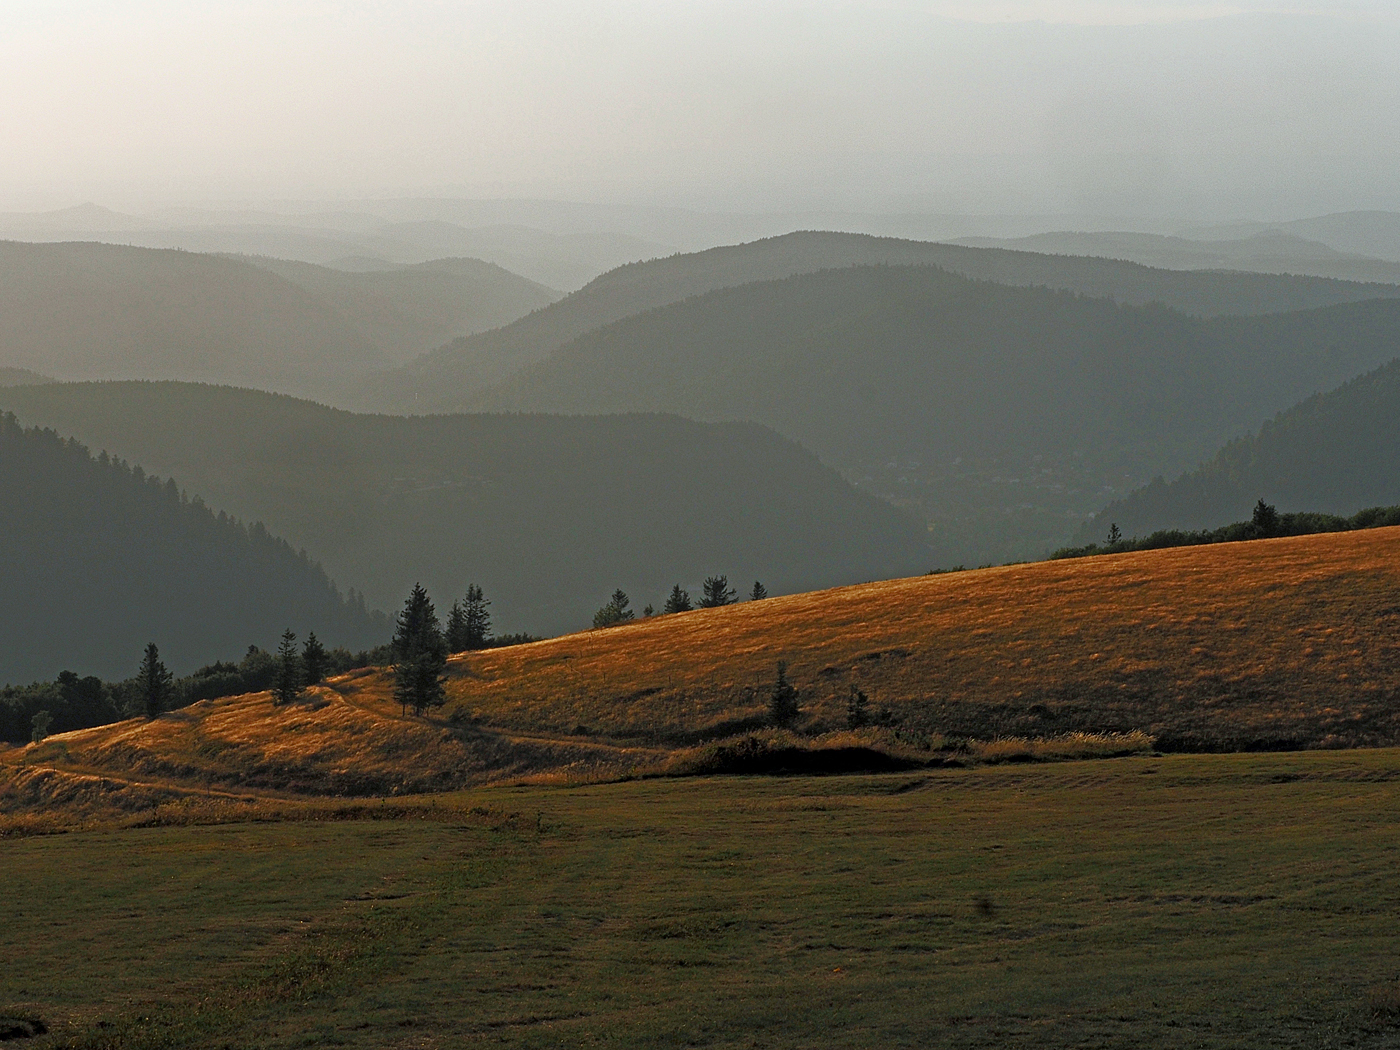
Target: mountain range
{"type": "Point", "coordinates": [448, 378]}
{"type": "Point", "coordinates": [97, 311]}
{"type": "Point", "coordinates": [548, 513]}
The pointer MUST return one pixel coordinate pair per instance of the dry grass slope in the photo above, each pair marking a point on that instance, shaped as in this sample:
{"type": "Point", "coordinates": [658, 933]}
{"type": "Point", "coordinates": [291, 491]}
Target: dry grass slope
{"type": "Point", "coordinates": [1276, 644]}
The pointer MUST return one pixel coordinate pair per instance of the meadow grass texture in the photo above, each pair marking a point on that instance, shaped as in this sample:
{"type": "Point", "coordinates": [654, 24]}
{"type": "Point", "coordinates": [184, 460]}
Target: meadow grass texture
{"type": "Point", "coordinates": [1175, 901]}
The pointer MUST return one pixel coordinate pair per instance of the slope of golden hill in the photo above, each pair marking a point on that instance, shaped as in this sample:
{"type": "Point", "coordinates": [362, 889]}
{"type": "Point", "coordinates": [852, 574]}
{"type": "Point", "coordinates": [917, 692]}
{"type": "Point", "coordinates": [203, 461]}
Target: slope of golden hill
{"type": "Point", "coordinates": [1271, 644]}
{"type": "Point", "coordinates": [346, 738]}
{"type": "Point", "coordinates": [1274, 643]}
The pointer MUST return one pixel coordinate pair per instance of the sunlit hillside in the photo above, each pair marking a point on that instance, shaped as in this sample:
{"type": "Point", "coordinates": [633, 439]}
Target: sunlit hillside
{"type": "Point", "coordinates": [1273, 644]}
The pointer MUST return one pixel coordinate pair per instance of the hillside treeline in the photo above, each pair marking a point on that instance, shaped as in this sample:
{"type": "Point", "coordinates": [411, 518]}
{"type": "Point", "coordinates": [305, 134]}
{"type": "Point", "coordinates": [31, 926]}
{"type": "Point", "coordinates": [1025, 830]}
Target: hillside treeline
{"type": "Point", "coordinates": [1337, 451]}
{"type": "Point", "coordinates": [99, 558]}
{"type": "Point", "coordinates": [73, 701]}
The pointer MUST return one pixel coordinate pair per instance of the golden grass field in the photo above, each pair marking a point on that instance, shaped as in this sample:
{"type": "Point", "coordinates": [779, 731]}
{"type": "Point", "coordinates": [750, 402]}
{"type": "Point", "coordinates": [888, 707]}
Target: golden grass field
{"type": "Point", "coordinates": [515, 870]}
{"type": "Point", "coordinates": [1289, 642]}
{"type": "Point", "coordinates": [1276, 644]}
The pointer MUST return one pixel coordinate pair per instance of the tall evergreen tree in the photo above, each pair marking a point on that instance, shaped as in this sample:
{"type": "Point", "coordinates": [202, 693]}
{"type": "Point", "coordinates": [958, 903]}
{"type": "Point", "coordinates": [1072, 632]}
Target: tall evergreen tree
{"type": "Point", "coordinates": [717, 592]}
{"type": "Point", "coordinates": [758, 592]}
{"type": "Point", "coordinates": [478, 619]}
{"type": "Point", "coordinates": [420, 654]}
{"type": "Point", "coordinates": [457, 629]}
{"type": "Point", "coordinates": [153, 682]}
{"type": "Point", "coordinates": [314, 660]}
{"type": "Point", "coordinates": [287, 688]}
{"type": "Point", "coordinates": [678, 601]}
{"type": "Point", "coordinates": [616, 611]}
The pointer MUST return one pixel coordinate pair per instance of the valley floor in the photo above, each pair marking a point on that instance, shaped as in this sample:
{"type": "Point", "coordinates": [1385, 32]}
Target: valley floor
{"type": "Point", "coordinates": [1178, 901]}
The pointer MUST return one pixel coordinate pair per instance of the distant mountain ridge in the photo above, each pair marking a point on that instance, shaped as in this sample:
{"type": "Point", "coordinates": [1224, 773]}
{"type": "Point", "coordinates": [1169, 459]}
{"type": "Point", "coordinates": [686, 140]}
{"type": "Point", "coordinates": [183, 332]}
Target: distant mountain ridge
{"type": "Point", "coordinates": [1335, 453]}
{"type": "Point", "coordinates": [1268, 251]}
{"type": "Point", "coordinates": [911, 376]}
{"type": "Point", "coordinates": [448, 378]}
{"type": "Point", "coordinates": [550, 514]}
{"type": "Point", "coordinates": [99, 558]}
{"type": "Point", "coordinates": [80, 310]}
{"type": "Point", "coordinates": [410, 309]}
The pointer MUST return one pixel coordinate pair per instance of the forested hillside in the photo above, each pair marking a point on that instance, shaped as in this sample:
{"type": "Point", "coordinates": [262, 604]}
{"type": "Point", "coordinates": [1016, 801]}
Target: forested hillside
{"type": "Point", "coordinates": [1334, 453]}
{"type": "Point", "coordinates": [550, 514]}
{"type": "Point", "coordinates": [99, 558]}
{"type": "Point", "coordinates": [1008, 414]}
{"type": "Point", "coordinates": [445, 379]}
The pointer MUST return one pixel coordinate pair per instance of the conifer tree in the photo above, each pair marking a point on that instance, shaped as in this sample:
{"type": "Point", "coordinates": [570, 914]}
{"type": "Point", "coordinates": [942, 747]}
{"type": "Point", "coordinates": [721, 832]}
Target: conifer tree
{"type": "Point", "coordinates": [616, 611]}
{"type": "Point", "coordinates": [420, 654]}
{"type": "Point", "coordinates": [717, 592]}
{"type": "Point", "coordinates": [153, 682]}
{"type": "Point", "coordinates": [678, 601]}
{"type": "Point", "coordinates": [287, 688]}
{"type": "Point", "coordinates": [782, 702]}
{"type": "Point", "coordinates": [314, 660]}
{"type": "Point", "coordinates": [478, 619]}
{"type": "Point", "coordinates": [457, 629]}
{"type": "Point", "coordinates": [758, 592]}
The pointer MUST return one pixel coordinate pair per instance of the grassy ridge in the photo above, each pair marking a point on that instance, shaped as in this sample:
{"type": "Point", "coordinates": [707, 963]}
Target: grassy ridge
{"type": "Point", "coordinates": [1191, 901]}
{"type": "Point", "coordinates": [1276, 643]}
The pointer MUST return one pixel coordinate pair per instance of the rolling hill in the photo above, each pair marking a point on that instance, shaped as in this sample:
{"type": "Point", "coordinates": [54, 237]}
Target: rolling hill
{"type": "Point", "coordinates": [93, 311]}
{"type": "Point", "coordinates": [100, 558]}
{"type": "Point", "coordinates": [96, 311]}
{"type": "Point", "coordinates": [447, 378]}
{"type": "Point", "coordinates": [1267, 251]}
{"type": "Point", "coordinates": [549, 514]}
{"type": "Point", "coordinates": [1274, 644]}
{"type": "Point", "coordinates": [411, 309]}
{"type": "Point", "coordinates": [1009, 415]}
{"type": "Point", "coordinates": [1335, 453]}
{"type": "Point", "coordinates": [21, 377]}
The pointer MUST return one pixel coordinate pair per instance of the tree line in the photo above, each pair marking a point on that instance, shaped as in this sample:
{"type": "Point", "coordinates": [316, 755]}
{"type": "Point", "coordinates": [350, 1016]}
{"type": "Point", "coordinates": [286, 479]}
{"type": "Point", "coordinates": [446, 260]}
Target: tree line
{"type": "Point", "coordinates": [1265, 523]}
{"type": "Point", "coordinates": [715, 592]}
{"type": "Point", "coordinates": [417, 654]}
{"type": "Point", "coordinates": [72, 701]}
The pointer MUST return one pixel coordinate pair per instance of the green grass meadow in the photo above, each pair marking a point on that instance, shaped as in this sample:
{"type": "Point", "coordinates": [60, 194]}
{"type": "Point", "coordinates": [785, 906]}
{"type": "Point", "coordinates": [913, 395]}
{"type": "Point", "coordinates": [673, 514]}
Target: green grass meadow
{"type": "Point", "coordinates": [1182, 901]}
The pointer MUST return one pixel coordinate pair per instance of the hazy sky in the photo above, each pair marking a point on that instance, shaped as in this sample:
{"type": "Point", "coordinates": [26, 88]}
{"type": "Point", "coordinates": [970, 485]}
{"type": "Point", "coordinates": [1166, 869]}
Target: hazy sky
{"type": "Point", "coordinates": [1201, 109]}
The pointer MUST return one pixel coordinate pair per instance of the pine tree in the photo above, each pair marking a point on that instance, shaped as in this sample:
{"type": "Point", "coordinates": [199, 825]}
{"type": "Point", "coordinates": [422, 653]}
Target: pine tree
{"type": "Point", "coordinates": [758, 592]}
{"type": "Point", "coordinates": [717, 592]}
{"type": "Point", "coordinates": [679, 601]}
{"type": "Point", "coordinates": [457, 629]}
{"type": "Point", "coordinates": [287, 688]}
{"type": "Point", "coordinates": [478, 619]}
{"type": "Point", "coordinates": [420, 654]}
{"type": "Point", "coordinates": [314, 660]}
{"type": "Point", "coordinates": [153, 682]}
{"type": "Point", "coordinates": [616, 611]}
{"type": "Point", "coordinates": [782, 702]}
{"type": "Point", "coordinates": [1265, 519]}
{"type": "Point", "coordinates": [1115, 534]}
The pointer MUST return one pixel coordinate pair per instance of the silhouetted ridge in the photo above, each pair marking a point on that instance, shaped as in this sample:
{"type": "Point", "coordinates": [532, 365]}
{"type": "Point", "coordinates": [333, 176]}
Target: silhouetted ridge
{"type": "Point", "coordinates": [101, 558]}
